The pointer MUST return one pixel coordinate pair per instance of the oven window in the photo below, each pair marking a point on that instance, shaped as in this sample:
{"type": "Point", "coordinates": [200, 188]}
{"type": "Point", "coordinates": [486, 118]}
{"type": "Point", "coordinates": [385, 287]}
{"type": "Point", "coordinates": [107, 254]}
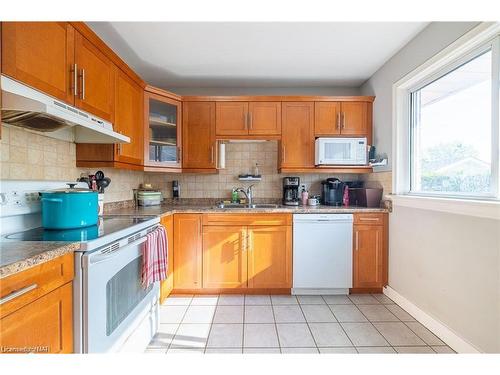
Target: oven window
{"type": "Point", "coordinates": [124, 292]}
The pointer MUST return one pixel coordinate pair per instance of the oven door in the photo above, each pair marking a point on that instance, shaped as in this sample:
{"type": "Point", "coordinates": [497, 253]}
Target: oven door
{"type": "Point", "coordinates": [114, 301]}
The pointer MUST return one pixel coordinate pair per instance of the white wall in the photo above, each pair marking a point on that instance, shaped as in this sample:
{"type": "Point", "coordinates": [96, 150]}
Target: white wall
{"type": "Point", "coordinates": [426, 44]}
{"type": "Point", "coordinates": [447, 265]}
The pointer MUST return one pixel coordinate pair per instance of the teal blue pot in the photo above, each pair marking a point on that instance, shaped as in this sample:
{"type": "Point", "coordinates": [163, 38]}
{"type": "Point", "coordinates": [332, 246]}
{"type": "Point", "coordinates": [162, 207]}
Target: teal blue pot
{"type": "Point", "coordinates": [69, 208]}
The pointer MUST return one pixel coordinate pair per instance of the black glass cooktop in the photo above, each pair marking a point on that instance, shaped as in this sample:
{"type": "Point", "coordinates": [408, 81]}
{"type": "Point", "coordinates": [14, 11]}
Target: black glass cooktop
{"type": "Point", "coordinates": [105, 226]}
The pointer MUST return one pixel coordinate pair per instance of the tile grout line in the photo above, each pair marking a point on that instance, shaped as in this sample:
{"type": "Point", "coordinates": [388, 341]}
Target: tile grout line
{"type": "Point", "coordinates": [243, 327]}
{"type": "Point", "coordinates": [308, 327]}
{"type": "Point", "coordinates": [400, 321]}
{"type": "Point", "coordinates": [179, 325]}
{"type": "Point", "coordinates": [275, 325]}
{"type": "Point", "coordinates": [342, 328]}
{"type": "Point", "coordinates": [373, 325]}
{"type": "Point", "coordinates": [421, 338]}
{"type": "Point", "coordinates": [211, 325]}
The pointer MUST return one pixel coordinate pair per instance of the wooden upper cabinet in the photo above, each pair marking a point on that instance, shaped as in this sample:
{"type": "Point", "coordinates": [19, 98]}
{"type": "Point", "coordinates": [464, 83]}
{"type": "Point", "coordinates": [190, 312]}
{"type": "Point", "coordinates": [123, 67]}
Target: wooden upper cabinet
{"type": "Point", "coordinates": [163, 131]}
{"type": "Point", "coordinates": [96, 79]}
{"type": "Point", "coordinates": [264, 118]}
{"type": "Point", "coordinates": [198, 135]}
{"type": "Point", "coordinates": [224, 257]}
{"type": "Point", "coordinates": [297, 139]}
{"type": "Point", "coordinates": [269, 257]}
{"type": "Point", "coordinates": [248, 119]}
{"type": "Point", "coordinates": [187, 251]}
{"type": "Point", "coordinates": [231, 118]}
{"type": "Point", "coordinates": [355, 120]}
{"type": "Point", "coordinates": [327, 118]}
{"type": "Point", "coordinates": [40, 54]}
{"type": "Point", "coordinates": [129, 119]}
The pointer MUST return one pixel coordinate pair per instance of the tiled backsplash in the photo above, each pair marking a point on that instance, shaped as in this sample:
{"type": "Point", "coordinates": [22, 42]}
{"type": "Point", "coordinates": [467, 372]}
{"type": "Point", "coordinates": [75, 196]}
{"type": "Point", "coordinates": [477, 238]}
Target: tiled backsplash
{"type": "Point", "coordinates": [379, 179]}
{"type": "Point", "coordinates": [240, 159]}
{"type": "Point", "coordinates": [29, 156]}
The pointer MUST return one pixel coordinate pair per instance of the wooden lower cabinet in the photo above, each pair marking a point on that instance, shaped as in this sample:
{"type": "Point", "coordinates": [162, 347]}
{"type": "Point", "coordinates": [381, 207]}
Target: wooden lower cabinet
{"type": "Point", "coordinates": [224, 257]}
{"type": "Point", "coordinates": [370, 253]}
{"type": "Point", "coordinates": [269, 257]}
{"type": "Point", "coordinates": [187, 251]}
{"type": "Point", "coordinates": [43, 326]}
{"type": "Point", "coordinates": [247, 252]}
{"type": "Point", "coordinates": [167, 285]}
{"type": "Point", "coordinates": [40, 318]}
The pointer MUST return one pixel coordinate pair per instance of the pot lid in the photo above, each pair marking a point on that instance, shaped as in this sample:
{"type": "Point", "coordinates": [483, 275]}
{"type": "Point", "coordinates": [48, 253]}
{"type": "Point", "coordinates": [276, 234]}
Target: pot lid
{"type": "Point", "coordinates": [71, 189]}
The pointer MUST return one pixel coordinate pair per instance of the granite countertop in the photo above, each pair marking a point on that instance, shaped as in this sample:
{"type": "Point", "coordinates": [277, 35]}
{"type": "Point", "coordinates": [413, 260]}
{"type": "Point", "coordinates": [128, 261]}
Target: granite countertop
{"type": "Point", "coordinates": [165, 210]}
{"type": "Point", "coordinates": [16, 256]}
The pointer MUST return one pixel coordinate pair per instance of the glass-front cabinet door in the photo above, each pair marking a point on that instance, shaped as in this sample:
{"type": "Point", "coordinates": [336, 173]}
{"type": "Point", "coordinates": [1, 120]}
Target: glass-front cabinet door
{"type": "Point", "coordinates": [163, 144]}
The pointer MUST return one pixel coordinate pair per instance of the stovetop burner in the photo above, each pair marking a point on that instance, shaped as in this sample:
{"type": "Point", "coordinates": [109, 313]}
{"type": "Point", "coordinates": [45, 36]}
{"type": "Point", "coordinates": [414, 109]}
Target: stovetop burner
{"type": "Point", "coordinates": [105, 226]}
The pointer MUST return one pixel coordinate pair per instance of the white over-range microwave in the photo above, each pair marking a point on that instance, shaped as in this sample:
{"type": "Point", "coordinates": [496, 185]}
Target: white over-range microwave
{"type": "Point", "coordinates": [341, 151]}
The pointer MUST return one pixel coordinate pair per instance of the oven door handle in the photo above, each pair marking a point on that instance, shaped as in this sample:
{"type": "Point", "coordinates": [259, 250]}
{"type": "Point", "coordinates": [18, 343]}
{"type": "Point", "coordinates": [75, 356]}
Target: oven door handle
{"type": "Point", "coordinates": [99, 258]}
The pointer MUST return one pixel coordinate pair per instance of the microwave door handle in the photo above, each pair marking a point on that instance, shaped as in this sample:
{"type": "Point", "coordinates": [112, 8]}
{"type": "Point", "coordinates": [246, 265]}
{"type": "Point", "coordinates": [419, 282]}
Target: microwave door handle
{"type": "Point", "coordinates": [99, 258]}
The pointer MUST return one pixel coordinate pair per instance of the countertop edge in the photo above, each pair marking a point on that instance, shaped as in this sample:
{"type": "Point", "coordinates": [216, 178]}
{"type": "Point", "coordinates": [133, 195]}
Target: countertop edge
{"type": "Point", "coordinates": [43, 257]}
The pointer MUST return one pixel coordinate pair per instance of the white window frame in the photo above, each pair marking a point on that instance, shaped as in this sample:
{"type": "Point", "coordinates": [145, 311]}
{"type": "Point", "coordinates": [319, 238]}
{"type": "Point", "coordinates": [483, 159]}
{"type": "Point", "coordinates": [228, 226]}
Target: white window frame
{"type": "Point", "coordinates": [482, 37]}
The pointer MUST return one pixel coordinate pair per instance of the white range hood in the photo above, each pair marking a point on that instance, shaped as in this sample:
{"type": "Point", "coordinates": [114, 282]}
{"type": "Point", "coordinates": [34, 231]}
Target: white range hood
{"type": "Point", "coordinates": [33, 110]}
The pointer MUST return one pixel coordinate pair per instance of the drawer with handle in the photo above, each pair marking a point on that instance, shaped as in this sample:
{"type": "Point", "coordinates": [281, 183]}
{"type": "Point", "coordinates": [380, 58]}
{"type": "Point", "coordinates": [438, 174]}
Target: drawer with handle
{"type": "Point", "coordinates": [24, 287]}
{"type": "Point", "coordinates": [374, 218]}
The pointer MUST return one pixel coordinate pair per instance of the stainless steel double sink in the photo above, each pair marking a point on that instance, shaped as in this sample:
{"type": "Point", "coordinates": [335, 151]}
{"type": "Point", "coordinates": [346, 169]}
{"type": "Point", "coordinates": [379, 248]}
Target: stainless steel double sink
{"type": "Point", "coordinates": [246, 206]}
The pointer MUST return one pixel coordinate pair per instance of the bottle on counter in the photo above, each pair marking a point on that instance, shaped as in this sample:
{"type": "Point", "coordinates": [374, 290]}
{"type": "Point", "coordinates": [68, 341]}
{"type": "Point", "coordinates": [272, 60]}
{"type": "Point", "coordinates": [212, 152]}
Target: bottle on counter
{"type": "Point", "coordinates": [234, 196]}
{"type": "Point", "coordinates": [305, 196]}
{"type": "Point", "coordinates": [345, 198]}
{"type": "Point", "coordinates": [175, 189]}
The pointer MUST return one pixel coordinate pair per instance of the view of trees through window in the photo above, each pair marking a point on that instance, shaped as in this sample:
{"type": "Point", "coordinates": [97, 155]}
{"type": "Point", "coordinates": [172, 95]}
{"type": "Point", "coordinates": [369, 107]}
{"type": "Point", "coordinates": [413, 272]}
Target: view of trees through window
{"type": "Point", "coordinates": [451, 131]}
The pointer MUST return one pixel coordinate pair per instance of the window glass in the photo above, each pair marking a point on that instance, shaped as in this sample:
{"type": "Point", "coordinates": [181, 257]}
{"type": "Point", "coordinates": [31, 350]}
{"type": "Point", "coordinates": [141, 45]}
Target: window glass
{"type": "Point", "coordinates": [451, 131]}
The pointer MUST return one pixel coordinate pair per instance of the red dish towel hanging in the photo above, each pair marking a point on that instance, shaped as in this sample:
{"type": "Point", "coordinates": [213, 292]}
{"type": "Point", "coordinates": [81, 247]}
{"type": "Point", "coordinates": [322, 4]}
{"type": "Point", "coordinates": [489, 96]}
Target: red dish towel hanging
{"type": "Point", "coordinates": [154, 257]}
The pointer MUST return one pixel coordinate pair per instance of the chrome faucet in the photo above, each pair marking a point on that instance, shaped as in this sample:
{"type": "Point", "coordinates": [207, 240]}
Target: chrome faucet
{"type": "Point", "coordinates": [248, 194]}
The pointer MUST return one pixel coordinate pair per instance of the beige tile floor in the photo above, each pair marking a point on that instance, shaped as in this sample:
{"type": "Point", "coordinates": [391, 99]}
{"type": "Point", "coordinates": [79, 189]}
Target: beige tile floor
{"type": "Point", "coordinates": [367, 323]}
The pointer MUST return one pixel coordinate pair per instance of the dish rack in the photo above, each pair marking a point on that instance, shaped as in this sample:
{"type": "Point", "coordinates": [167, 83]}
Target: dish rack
{"type": "Point", "coordinates": [148, 197]}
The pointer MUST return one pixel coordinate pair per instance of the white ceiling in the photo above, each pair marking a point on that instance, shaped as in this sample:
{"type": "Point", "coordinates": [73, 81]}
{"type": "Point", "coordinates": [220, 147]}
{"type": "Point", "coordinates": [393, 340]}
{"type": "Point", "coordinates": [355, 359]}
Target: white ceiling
{"type": "Point", "coordinates": [256, 54]}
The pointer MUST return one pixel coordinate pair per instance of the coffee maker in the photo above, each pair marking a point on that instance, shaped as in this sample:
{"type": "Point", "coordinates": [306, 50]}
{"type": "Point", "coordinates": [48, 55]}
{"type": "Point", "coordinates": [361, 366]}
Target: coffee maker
{"type": "Point", "coordinates": [291, 191]}
{"type": "Point", "coordinates": [332, 192]}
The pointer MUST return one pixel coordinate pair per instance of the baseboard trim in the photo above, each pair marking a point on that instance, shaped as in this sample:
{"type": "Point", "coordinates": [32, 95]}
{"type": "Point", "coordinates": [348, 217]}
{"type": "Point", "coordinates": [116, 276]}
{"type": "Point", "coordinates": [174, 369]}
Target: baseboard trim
{"type": "Point", "coordinates": [453, 340]}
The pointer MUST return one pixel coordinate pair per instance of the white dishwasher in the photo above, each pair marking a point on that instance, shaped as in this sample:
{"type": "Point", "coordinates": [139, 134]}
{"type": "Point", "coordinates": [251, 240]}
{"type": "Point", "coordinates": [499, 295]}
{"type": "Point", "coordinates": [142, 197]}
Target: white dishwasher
{"type": "Point", "coordinates": [322, 253]}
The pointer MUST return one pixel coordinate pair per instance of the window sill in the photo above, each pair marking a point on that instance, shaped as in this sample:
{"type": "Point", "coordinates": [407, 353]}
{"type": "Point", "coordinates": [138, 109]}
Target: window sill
{"type": "Point", "coordinates": [479, 208]}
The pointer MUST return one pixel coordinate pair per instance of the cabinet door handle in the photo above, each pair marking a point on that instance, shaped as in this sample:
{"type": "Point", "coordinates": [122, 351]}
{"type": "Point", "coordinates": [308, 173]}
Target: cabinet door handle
{"type": "Point", "coordinates": [82, 92]}
{"type": "Point", "coordinates": [212, 154]}
{"type": "Point", "coordinates": [251, 120]}
{"type": "Point", "coordinates": [179, 154]}
{"type": "Point", "coordinates": [343, 120]}
{"type": "Point", "coordinates": [368, 219]}
{"type": "Point", "coordinates": [284, 154]}
{"type": "Point", "coordinates": [119, 148]}
{"type": "Point", "coordinates": [357, 241]}
{"type": "Point", "coordinates": [338, 120]}
{"type": "Point", "coordinates": [17, 293]}
{"type": "Point", "coordinates": [245, 116]}
{"type": "Point", "coordinates": [74, 84]}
